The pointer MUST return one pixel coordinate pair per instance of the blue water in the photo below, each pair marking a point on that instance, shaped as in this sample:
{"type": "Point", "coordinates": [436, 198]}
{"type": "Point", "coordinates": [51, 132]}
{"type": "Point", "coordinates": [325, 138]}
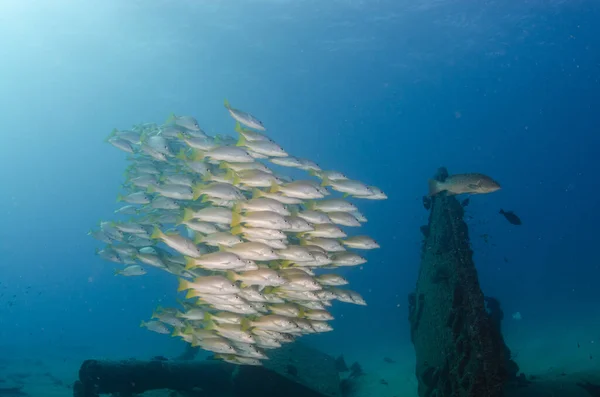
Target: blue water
{"type": "Point", "coordinates": [384, 91]}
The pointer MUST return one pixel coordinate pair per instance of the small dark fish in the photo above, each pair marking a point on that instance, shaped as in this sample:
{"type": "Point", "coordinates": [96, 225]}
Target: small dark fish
{"type": "Point", "coordinates": [505, 259]}
{"type": "Point", "coordinates": [465, 202]}
{"type": "Point", "coordinates": [511, 217]}
{"type": "Point", "coordinates": [427, 203]}
{"type": "Point", "coordinates": [578, 346]}
{"type": "Point", "coordinates": [383, 382]}
{"type": "Point", "coordinates": [388, 360]}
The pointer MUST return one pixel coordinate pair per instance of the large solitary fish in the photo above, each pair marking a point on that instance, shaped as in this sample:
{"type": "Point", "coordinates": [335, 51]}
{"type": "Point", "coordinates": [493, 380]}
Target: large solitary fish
{"type": "Point", "coordinates": [464, 183]}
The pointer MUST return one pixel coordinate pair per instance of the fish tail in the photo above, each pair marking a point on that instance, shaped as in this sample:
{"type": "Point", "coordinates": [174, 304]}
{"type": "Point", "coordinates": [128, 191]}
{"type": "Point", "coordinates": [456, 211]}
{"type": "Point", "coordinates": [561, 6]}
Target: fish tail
{"type": "Point", "coordinates": [156, 233]}
{"type": "Point", "coordinates": [256, 193]}
{"type": "Point", "coordinates": [209, 325]}
{"type": "Point", "coordinates": [226, 103]}
{"type": "Point", "coordinates": [171, 118]}
{"type": "Point", "coordinates": [434, 187]}
{"type": "Point", "coordinates": [241, 141]}
{"type": "Point", "coordinates": [111, 135]}
{"type": "Point", "coordinates": [198, 238]}
{"type": "Point", "coordinates": [189, 264]}
{"type": "Point", "coordinates": [197, 191]}
{"type": "Point", "coordinates": [245, 324]}
{"type": "Point", "coordinates": [238, 127]}
{"type": "Point", "coordinates": [187, 216]}
{"type": "Point", "coordinates": [183, 285]}
{"type": "Point", "coordinates": [181, 155]}
{"type": "Point", "coordinates": [117, 272]}
{"type": "Point", "coordinates": [236, 219]}
{"type": "Point", "coordinates": [274, 187]}
{"type": "Point", "coordinates": [198, 155]}
{"type": "Point", "coordinates": [231, 276]}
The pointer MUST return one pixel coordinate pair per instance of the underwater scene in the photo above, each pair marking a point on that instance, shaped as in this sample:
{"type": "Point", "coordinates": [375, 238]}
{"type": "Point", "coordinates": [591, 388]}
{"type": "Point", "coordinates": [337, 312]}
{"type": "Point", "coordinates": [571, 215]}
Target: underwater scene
{"type": "Point", "coordinates": [299, 198]}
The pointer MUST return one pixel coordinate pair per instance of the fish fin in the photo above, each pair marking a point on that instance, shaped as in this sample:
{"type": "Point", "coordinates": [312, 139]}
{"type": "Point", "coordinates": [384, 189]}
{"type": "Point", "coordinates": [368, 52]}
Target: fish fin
{"type": "Point", "coordinates": [183, 285]}
{"type": "Point", "coordinates": [224, 165]}
{"type": "Point", "coordinates": [301, 312]}
{"type": "Point", "coordinates": [120, 198]}
{"type": "Point", "coordinates": [236, 219]}
{"type": "Point", "coordinates": [198, 238]}
{"type": "Point", "coordinates": [226, 103]}
{"type": "Point", "coordinates": [142, 323]}
{"type": "Point", "coordinates": [256, 193]}
{"type": "Point", "coordinates": [188, 330]}
{"type": "Point", "coordinates": [190, 294]}
{"type": "Point", "coordinates": [434, 187]}
{"type": "Point", "coordinates": [325, 181]}
{"type": "Point", "coordinates": [274, 187]}
{"type": "Point", "coordinates": [241, 141]}
{"type": "Point", "coordinates": [313, 173]}
{"type": "Point", "coordinates": [345, 195]}
{"type": "Point", "coordinates": [171, 118]}
{"type": "Point", "coordinates": [310, 205]}
{"type": "Point", "coordinates": [188, 215]}
{"type": "Point", "coordinates": [208, 316]}
{"type": "Point", "coordinates": [156, 233]}
{"type": "Point", "coordinates": [116, 272]}
{"type": "Point", "coordinates": [222, 248]}
{"type": "Point", "coordinates": [237, 230]}
{"type": "Point", "coordinates": [151, 189]}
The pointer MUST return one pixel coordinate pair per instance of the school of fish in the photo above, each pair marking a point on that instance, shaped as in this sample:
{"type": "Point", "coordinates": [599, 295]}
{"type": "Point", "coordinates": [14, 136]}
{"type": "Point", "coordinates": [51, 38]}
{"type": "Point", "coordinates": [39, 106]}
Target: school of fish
{"type": "Point", "coordinates": [253, 250]}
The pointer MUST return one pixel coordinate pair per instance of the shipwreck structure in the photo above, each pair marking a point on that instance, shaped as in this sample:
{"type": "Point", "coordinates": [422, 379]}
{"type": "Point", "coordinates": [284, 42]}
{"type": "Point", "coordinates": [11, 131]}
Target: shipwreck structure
{"type": "Point", "coordinates": [459, 350]}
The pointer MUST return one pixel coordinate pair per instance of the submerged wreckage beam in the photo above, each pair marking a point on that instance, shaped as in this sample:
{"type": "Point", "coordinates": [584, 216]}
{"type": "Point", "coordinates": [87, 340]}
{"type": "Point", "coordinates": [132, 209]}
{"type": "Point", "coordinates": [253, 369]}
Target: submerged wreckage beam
{"type": "Point", "coordinates": [294, 370]}
{"type": "Point", "coordinates": [459, 354]}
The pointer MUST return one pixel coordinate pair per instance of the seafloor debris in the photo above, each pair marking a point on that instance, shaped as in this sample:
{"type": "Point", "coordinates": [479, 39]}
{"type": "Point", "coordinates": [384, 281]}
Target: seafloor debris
{"type": "Point", "coordinates": [313, 375]}
{"type": "Point", "coordinates": [12, 391]}
{"type": "Point", "coordinates": [458, 352]}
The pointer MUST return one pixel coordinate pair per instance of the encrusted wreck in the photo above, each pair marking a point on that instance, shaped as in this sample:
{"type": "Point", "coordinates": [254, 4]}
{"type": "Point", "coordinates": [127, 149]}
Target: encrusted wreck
{"type": "Point", "coordinates": [459, 351]}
